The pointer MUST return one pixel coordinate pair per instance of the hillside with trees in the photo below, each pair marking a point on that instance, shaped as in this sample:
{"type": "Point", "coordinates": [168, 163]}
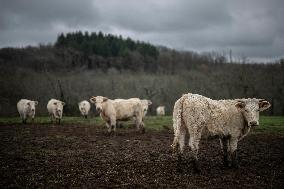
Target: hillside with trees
{"type": "Point", "coordinates": [79, 65]}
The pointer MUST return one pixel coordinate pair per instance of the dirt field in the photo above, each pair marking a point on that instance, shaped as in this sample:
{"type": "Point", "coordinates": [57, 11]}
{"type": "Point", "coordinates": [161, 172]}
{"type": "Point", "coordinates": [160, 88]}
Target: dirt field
{"type": "Point", "coordinates": [37, 156]}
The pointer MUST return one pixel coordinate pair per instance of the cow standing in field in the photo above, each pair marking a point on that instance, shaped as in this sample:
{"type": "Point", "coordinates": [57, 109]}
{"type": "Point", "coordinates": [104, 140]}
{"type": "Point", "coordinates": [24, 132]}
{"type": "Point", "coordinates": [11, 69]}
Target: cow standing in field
{"type": "Point", "coordinates": [84, 107]}
{"type": "Point", "coordinates": [145, 106]}
{"type": "Point", "coordinates": [26, 109]}
{"type": "Point", "coordinates": [55, 109]}
{"type": "Point", "coordinates": [160, 111]}
{"type": "Point", "coordinates": [231, 120]}
{"type": "Point", "coordinates": [112, 111]}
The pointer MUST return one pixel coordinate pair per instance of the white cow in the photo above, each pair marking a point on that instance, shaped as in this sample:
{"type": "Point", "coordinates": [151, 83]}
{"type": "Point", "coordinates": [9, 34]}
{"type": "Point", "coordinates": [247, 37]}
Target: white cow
{"type": "Point", "coordinates": [55, 109]}
{"type": "Point", "coordinates": [112, 111]}
{"type": "Point", "coordinates": [84, 107]}
{"type": "Point", "coordinates": [231, 120]}
{"type": "Point", "coordinates": [26, 109]}
{"type": "Point", "coordinates": [160, 111]}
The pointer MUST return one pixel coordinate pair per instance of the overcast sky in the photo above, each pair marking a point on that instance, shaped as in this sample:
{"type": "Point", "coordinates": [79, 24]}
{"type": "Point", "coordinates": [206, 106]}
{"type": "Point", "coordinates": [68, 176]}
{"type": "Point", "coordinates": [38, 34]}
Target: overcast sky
{"type": "Point", "coordinates": [252, 28]}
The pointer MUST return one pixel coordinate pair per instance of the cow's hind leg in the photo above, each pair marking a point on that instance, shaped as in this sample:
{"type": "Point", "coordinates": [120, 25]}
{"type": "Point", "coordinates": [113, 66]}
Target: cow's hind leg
{"type": "Point", "coordinates": [179, 141]}
{"type": "Point", "coordinates": [139, 123]}
{"type": "Point", "coordinates": [194, 145]}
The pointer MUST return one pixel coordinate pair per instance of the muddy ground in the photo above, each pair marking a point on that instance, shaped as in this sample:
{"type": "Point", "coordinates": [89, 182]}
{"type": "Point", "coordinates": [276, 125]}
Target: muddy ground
{"type": "Point", "coordinates": [40, 156]}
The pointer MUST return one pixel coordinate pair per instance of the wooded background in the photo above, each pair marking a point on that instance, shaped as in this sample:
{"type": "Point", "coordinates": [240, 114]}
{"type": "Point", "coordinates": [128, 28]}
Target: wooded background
{"type": "Point", "coordinates": [80, 65]}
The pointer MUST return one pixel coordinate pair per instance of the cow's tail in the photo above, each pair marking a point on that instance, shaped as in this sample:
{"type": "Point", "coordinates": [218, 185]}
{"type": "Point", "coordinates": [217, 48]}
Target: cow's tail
{"type": "Point", "coordinates": [177, 119]}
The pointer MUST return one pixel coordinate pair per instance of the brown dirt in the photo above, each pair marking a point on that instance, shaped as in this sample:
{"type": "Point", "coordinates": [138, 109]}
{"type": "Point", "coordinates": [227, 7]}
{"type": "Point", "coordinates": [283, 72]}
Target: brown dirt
{"type": "Point", "coordinates": [39, 156]}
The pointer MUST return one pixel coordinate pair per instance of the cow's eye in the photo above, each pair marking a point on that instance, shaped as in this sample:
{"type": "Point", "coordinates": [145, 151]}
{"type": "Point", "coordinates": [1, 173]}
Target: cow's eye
{"type": "Point", "coordinates": [246, 110]}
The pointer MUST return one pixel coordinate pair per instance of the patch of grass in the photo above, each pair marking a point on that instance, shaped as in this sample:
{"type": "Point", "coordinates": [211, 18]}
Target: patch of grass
{"type": "Point", "coordinates": [46, 120]}
{"type": "Point", "coordinates": [268, 124]}
{"type": "Point", "coordinates": [271, 124]}
{"type": "Point", "coordinates": [158, 122]}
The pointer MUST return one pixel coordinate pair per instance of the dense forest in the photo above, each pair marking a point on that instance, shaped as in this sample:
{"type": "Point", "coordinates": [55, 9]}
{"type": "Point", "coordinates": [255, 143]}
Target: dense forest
{"type": "Point", "coordinates": [79, 65]}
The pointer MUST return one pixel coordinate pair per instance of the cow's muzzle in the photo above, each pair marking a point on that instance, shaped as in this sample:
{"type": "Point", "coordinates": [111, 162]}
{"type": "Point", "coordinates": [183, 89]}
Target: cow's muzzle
{"type": "Point", "coordinates": [253, 124]}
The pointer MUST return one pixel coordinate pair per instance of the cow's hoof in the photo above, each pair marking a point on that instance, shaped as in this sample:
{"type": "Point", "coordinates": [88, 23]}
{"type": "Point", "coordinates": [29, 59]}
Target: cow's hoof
{"type": "Point", "coordinates": [109, 133]}
{"type": "Point", "coordinates": [235, 166]}
{"type": "Point", "coordinates": [226, 164]}
{"type": "Point", "coordinates": [196, 168]}
{"type": "Point", "coordinates": [142, 130]}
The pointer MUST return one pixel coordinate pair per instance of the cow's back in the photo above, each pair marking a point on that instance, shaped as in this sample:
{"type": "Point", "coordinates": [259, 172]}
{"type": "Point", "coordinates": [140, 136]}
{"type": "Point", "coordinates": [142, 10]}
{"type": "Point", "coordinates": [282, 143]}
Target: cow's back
{"type": "Point", "coordinates": [126, 108]}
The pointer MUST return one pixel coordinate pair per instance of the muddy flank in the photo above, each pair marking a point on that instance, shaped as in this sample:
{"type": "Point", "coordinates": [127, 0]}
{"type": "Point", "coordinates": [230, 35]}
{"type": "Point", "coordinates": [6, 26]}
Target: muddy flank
{"type": "Point", "coordinates": [48, 156]}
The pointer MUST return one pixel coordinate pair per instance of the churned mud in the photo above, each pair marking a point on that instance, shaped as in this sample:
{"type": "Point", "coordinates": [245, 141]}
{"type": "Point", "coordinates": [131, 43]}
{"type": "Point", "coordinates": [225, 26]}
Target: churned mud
{"type": "Point", "coordinates": [41, 156]}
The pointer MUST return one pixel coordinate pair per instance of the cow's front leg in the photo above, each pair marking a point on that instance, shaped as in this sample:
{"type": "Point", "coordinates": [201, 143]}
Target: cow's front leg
{"type": "Point", "coordinates": [233, 151]}
{"type": "Point", "coordinates": [225, 147]}
{"type": "Point", "coordinates": [51, 119]}
{"type": "Point", "coordinates": [24, 119]}
{"type": "Point", "coordinates": [108, 125]}
{"type": "Point", "coordinates": [113, 123]}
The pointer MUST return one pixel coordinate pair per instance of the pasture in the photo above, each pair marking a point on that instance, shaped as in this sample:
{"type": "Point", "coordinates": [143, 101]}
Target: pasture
{"type": "Point", "coordinates": [80, 153]}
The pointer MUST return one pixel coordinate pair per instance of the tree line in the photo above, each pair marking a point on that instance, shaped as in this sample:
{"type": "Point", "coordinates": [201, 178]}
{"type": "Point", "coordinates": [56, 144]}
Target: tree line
{"type": "Point", "coordinates": [79, 65]}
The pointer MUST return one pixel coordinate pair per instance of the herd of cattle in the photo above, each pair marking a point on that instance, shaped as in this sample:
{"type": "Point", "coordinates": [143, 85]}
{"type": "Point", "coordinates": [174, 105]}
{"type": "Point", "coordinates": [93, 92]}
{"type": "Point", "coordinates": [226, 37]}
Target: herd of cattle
{"type": "Point", "coordinates": [112, 108]}
{"type": "Point", "coordinates": [193, 116]}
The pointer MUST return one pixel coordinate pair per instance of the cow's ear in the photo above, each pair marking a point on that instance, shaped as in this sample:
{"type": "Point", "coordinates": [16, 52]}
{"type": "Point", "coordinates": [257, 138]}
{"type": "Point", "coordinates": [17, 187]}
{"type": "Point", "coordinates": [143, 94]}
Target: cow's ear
{"type": "Point", "coordinates": [36, 102]}
{"type": "Point", "coordinates": [93, 99]}
{"type": "Point", "coordinates": [149, 102]}
{"type": "Point", "coordinates": [105, 99]}
{"type": "Point", "coordinates": [63, 103]}
{"type": "Point", "coordinates": [240, 105]}
{"type": "Point", "coordinates": [263, 105]}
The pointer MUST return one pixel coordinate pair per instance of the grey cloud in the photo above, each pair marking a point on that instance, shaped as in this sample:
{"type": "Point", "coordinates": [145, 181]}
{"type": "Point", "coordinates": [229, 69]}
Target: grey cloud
{"type": "Point", "coordinates": [29, 13]}
{"type": "Point", "coordinates": [253, 28]}
{"type": "Point", "coordinates": [146, 16]}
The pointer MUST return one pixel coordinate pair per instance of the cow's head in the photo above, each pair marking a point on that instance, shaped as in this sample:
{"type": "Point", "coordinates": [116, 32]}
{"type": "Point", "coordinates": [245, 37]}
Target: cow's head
{"type": "Point", "coordinates": [31, 105]}
{"type": "Point", "coordinates": [59, 107]}
{"type": "Point", "coordinates": [250, 109]}
{"type": "Point", "coordinates": [145, 105]}
{"type": "Point", "coordinates": [82, 106]}
{"type": "Point", "coordinates": [98, 101]}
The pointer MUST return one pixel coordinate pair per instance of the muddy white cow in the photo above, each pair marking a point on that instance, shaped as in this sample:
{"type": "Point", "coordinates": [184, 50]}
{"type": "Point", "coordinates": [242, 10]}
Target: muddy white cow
{"type": "Point", "coordinates": [55, 109]}
{"type": "Point", "coordinates": [84, 107]}
{"type": "Point", "coordinates": [231, 120]}
{"type": "Point", "coordinates": [26, 109]}
{"type": "Point", "coordinates": [145, 106]}
{"type": "Point", "coordinates": [112, 111]}
{"type": "Point", "coordinates": [160, 111]}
